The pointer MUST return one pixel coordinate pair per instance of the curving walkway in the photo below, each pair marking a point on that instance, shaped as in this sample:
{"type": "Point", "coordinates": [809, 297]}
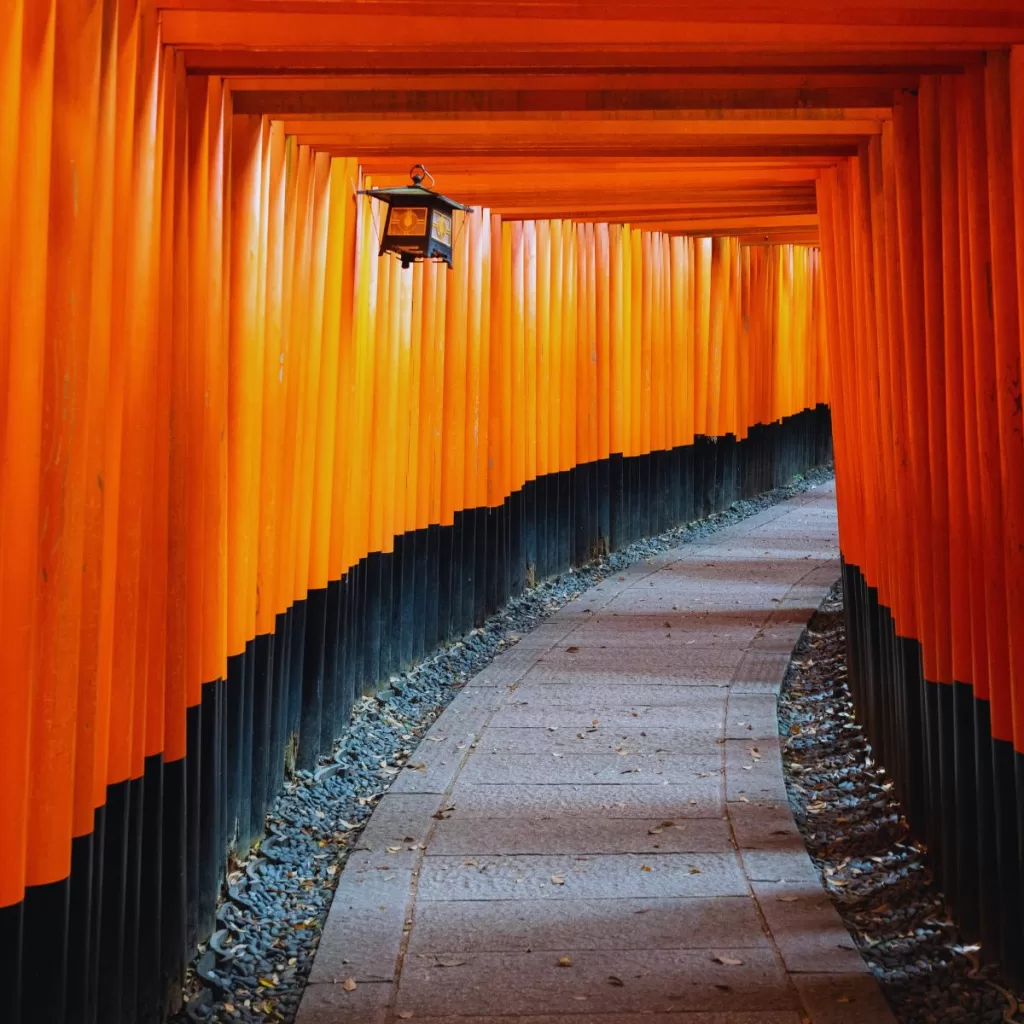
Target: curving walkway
{"type": "Point", "coordinates": [597, 828]}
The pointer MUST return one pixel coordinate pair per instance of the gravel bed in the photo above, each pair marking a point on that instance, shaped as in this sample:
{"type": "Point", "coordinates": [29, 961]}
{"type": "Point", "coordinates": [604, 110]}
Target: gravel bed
{"type": "Point", "coordinates": [274, 906]}
{"type": "Point", "coordinates": [877, 876]}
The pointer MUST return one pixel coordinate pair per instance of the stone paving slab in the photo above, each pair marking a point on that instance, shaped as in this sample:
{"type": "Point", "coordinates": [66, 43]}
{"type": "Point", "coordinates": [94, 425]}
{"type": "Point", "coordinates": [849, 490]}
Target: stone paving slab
{"type": "Point", "coordinates": [330, 1004]}
{"type": "Point", "coordinates": [536, 714]}
{"type": "Point", "coordinates": [622, 768]}
{"type": "Point", "coordinates": [842, 998]}
{"type": "Point", "coordinates": [371, 957]}
{"type": "Point", "coordinates": [626, 692]}
{"type": "Point", "coordinates": [807, 929]}
{"type": "Point", "coordinates": [630, 923]}
{"type": "Point", "coordinates": [652, 981]}
{"type": "Point", "coordinates": [765, 825]}
{"type": "Point", "coordinates": [674, 598]}
{"type": "Point", "coordinates": [398, 817]}
{"type": "Point", "coordinates": [753, 768]}
{"type": "Point", "coordinates": [615, 665]}
{"type": "Point", "coordinates": [788, 863]}
{"type": "Point", "coordinates": [597, 828]}
{"type": "Point", "coordinates": [698, 737]}
{"type": "Point", "coordinates": [752, 716]}
{"type": "Point", "coordinates": [696, 798]}
{"type": "Point", "coordinates": [578, 836]}
{"type": "Point", "coordinates": [573, 877]}
{"type": "Point", "coordinates": [678, 617]}
{"type": "Point", "coordinates": [737, 1017]}
{"type": "Point", "coordinates": [645, 637]}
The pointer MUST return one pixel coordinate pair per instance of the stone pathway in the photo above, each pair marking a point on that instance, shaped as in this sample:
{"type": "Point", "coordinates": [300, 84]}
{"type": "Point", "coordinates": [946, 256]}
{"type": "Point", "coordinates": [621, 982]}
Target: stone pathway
{"type": "Point", "coordinates": [597, 828]}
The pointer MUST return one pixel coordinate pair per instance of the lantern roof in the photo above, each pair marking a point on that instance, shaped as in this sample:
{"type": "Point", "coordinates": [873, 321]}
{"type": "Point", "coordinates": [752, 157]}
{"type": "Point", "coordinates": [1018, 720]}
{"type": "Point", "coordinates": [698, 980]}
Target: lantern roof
{"type": "Point", "coordinates": [405, 194]}
{"type": "Point", "coordinates": [401, 192]}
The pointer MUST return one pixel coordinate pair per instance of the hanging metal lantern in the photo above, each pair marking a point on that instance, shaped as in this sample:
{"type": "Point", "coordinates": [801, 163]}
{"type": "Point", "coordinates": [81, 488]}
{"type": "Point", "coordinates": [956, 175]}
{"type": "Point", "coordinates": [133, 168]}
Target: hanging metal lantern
{"type": "Point", "coordinates": [418, 225]}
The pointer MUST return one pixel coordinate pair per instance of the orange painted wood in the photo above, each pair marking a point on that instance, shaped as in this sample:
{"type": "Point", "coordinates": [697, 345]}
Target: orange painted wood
{"type": "Point", "coordinates": [23, 432]}
{"type": "Point", "coordinates": [1006, 325]}
{"type": "Point", "coordinates": [259, 29]}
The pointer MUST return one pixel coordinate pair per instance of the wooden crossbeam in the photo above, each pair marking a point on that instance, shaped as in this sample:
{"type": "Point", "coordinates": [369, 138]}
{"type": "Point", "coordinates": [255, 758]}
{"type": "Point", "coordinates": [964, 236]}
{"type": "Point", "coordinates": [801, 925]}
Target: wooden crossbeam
{"type": "Point", "coordinates": [678, 114]}
{"type": "Point", "coordinates": [447, 28]}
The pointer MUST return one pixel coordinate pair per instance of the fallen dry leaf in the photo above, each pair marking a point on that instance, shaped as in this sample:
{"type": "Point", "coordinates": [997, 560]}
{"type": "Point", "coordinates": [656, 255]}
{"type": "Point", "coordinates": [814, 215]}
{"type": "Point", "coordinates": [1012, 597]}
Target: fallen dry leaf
{"type": "Point", "coordinates": [617, 982]}
{"type": "Point", "coordinates": [565, 961]}
{"type": "Point", "coordinates": [728, 961]}
{"type": "Point", "coordinates": [405, 1015]}
{"type": "Point", "coordinates": [646, 867]}
{"type": "Point", "coordinates": [694, 871]}
{"type": "Point", "coordinates": [558, 879]}
{"type": "Point", "coordinates": [572, 650]}
{"type": "Point", "coordinates": [349, 984]}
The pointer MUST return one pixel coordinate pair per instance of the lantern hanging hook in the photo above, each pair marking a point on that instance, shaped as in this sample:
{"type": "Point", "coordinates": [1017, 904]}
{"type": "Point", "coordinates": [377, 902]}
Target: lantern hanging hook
{"type": "Point", "coordinates": [418, 177]}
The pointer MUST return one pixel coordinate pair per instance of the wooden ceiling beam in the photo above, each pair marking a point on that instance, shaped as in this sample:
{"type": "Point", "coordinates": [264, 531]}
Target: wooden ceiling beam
{"type": "Point", "coordinates": [444, 29]}
{"type": "Point", "coordinates": [655, 60]}
{"type": "Point", "coordinates": [424, 139]}
{"type": "Point", "coordinates": [736, 224]}
{"type": "Point", "coordinates": [834, 149]}
{"type": "Point", "coordinates": [801, 168]}
{"type": "Point", "coordinates": [493, 84]}
{"type": "Point", "coordinates": [769, 11]}
{"type": "Point", "coordinates": [582, 207]}
{"type": "Point", "coordinates": [692, 117]}
{"type": "Point", "coordinates": [783, 236]}
{"type": "Point", "coordinates": [718, 120]}
{"type": "Point", "coordinates": [297, 100]}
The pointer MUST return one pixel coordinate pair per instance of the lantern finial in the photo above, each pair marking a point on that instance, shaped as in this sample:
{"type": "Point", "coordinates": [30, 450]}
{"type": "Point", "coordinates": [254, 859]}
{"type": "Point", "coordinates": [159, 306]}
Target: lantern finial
{"type": "Point", "coordinates": [418, 172]}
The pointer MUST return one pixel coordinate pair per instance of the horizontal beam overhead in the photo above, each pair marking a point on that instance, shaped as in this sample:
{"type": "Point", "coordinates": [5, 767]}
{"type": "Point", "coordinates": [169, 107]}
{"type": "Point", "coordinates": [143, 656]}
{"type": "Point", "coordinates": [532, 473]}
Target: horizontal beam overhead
{"type": "Point", "coordinates": [793, 26]}
{"type": "Point", "coordinates": [673, 114]}
{"type": "Point", "coordinates": [253, 97]}
{"type": "Point", "coordinates": [654, 60]}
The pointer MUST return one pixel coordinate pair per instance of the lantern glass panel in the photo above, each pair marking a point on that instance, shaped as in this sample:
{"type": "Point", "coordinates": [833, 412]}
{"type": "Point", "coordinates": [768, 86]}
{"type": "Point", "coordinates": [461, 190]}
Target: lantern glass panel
{"type": "Point", "coordinates": [407, 220]}
{"type": "Point", "coordinates": [441, 227]}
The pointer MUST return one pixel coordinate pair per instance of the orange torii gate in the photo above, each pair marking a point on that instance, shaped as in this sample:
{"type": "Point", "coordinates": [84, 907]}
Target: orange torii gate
{"type": "Point", "coordinates": [218, 406]}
